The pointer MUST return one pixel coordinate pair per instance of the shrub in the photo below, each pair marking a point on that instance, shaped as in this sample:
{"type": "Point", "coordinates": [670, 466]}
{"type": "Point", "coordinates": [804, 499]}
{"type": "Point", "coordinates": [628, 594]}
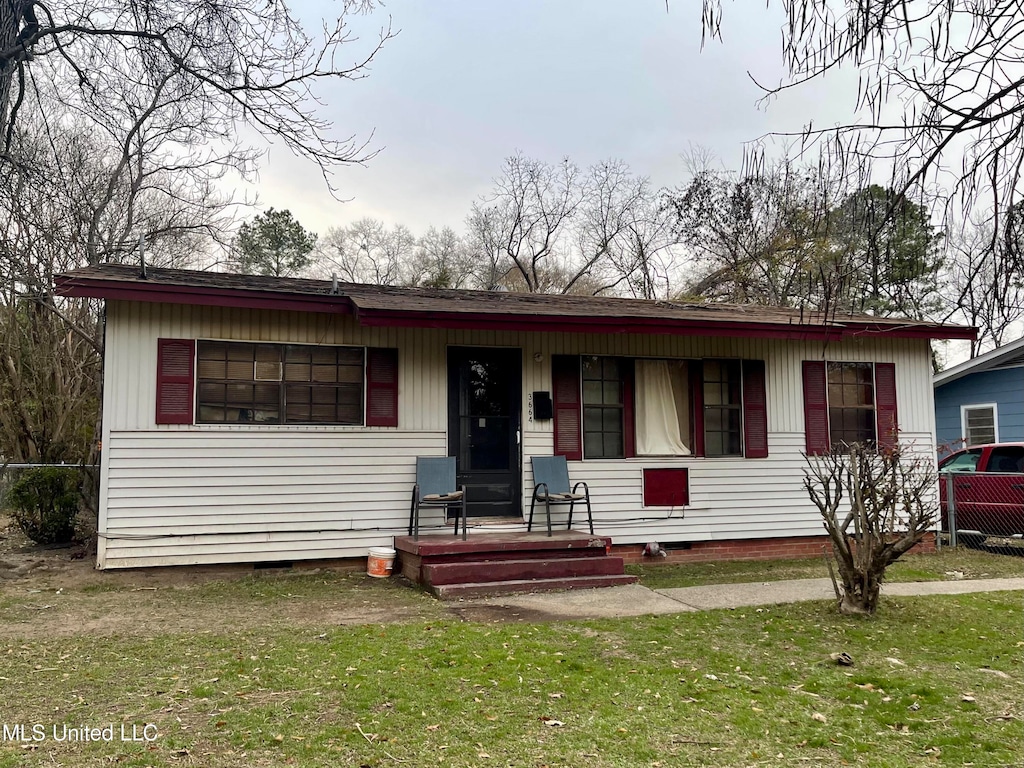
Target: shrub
{"type": "Point", "coordinates": [44, 502]}
{"type": "Point", "coordinates": [876, 505]}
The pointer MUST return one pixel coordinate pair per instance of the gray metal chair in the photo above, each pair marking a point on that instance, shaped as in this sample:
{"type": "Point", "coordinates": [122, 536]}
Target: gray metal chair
{"type": "Point", "coordinates": [435, 488]}
{"type": "Point", "coordinates": [551, 475]}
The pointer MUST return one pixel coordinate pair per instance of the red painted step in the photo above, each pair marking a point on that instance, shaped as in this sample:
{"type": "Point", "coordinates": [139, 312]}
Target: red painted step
{"type": "Point", "coordinates": [480, 571]}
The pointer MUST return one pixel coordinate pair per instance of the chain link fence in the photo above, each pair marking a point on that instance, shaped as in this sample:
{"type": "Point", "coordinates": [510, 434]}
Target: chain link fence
{"type": "Point", "coordinates": [983, 510]}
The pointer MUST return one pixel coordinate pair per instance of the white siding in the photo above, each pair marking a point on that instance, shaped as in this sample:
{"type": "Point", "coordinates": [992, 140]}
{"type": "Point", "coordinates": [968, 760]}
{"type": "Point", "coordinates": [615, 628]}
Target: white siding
{"type": "Point", "coordinates": [229, 496]}
{"type": "Point", "coordinates": [178, 494]}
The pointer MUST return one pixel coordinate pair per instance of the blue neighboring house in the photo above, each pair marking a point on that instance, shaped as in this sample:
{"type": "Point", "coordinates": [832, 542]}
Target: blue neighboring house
{"type": "Point", "coordinates": [981, 401]}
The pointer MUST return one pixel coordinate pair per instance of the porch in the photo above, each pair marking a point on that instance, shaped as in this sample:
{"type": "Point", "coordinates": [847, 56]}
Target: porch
{"type": "Point", "coordinates": [505, 563]}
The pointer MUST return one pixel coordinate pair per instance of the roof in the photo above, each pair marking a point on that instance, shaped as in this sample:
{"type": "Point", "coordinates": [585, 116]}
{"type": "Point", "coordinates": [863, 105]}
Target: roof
{"type": "Point", "coordinates": [375, 305]}
{"type": "Point", "coordinates": [1007, 356]}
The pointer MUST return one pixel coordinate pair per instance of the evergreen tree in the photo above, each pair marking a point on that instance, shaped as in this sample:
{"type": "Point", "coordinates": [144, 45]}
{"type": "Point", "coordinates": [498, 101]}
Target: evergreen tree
{"type": "Point", "coordinates": [273, 244]}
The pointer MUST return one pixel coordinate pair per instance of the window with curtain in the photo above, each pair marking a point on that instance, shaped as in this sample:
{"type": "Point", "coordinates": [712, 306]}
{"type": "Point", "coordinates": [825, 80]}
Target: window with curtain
{"type": "Point", "coordinates": [662, 408]}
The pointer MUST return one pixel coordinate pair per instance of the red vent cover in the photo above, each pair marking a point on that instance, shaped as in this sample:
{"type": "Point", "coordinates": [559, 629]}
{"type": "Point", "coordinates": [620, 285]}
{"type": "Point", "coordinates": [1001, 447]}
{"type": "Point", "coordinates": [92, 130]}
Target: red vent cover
{"type": "Point", "coordinates": [666, 487]}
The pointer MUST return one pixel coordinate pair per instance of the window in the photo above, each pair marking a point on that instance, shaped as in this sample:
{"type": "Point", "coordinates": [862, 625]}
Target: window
{"type": "Point", "coordinates": [603, 408]}
{"type": "Point", "coordinates": [851, 403]}
{"type": "Point", "coordinates": [722, 408]}
{"type": "Point", "coordinates": [278, 383]}
{"type": "Point", "coordinates": [613, 407]}
{"type": "Point", "coordinates": [979, 424]}
{"type": "Point", "coordinates": [662, 408]}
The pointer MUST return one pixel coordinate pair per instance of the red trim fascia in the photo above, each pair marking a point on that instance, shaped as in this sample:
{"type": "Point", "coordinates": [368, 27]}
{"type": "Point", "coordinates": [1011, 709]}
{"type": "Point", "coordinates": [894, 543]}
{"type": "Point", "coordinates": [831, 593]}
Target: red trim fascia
{"type": "Point", "coordinates": [216, 297]}
{"type": "Point", "coordinates": [639, 325]}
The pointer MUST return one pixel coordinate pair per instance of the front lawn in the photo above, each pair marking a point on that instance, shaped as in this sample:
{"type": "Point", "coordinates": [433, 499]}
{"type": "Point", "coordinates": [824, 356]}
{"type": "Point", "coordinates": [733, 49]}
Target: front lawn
{"type": "Point", "coordinates": [935, 681]}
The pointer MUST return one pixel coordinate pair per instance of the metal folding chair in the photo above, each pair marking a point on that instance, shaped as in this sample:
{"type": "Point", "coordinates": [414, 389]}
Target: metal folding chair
{"type": "Point", "coordinates": [435, 488]}
{"type": "Point", "coordinates": [551, 475]}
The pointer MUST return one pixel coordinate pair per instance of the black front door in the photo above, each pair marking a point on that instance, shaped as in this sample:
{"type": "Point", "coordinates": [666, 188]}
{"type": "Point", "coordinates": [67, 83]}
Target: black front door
{"type": "Point", "coordinates": [484, 397]}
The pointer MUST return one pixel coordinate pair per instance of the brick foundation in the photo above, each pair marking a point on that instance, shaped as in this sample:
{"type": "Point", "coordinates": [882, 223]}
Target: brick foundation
{"type": "Point", "coordinates": [743, 549]}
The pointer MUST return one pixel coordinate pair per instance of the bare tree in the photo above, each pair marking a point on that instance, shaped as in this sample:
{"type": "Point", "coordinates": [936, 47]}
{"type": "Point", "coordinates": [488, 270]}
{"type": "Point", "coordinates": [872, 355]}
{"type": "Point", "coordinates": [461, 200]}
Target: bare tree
{"type": "Point", "coordinates": [940, 87]}
{"type": "Point", "coordinates": [876, 505]}
{"type": "Point", "coordinates": [756, 239]}
{"type": "Point", "coordinates": [211, 64]}
{"type": "Point", "coordinates": [442, 259]}
{"type": "Point", "coordinates": [525, 219]}
{"type": "Point", "coordinates": [984, 281]}
{"type": "Point", "coordinates": [792, 236]}
{"type": "Point", "coordinates": [559, 229]}
{"type": "Point", "coordinates": [73, 202]}
{"type": "Point", "coordinates": [368, 251]}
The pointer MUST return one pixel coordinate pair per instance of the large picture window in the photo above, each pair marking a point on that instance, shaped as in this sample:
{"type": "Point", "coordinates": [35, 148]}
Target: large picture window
{"type": "Point", "coordinates": [851, 403]}
{"type": "Point", "coordinates": [278, 383]}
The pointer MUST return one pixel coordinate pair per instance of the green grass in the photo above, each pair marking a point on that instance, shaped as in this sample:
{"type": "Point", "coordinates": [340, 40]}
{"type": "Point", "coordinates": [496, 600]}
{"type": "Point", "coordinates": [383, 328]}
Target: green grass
{"type": "Point", "coordinates": [727, 688]}
{"type": "Point", "coordinates": [941, 566]}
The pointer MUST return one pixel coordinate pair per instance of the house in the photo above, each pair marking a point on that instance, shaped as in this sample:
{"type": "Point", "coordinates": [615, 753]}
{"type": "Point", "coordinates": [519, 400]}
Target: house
{"type": "Point", "coordinates": [981, 401]}
{"type": "Point", "coordinates": [252, 419]}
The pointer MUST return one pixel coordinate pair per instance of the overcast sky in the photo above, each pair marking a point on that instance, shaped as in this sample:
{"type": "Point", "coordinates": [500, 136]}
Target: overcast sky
{"type": "Point", "coordinates": [463, 85]}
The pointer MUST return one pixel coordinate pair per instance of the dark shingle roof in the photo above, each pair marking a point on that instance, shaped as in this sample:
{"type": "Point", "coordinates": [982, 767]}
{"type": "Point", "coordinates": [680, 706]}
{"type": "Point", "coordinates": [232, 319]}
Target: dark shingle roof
{"type": "Point", "coordinates": [436, 307]}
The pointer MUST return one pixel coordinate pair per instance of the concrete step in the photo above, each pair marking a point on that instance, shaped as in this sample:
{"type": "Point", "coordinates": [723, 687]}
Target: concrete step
{"type": "Point", "coordinates": [481, 571]}
{"type": "Point", "coordinates": [492, 588]}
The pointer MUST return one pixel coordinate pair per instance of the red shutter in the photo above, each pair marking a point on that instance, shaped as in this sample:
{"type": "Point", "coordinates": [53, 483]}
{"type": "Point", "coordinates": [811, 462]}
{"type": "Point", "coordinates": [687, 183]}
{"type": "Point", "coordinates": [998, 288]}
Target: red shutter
{"type": "Point", "coordinates": [816, 407]}
{"type": "Point", "coordinates": [175, 364]}
{"type": "Point", "coordinates": [755, 410]}
{"type": "Point", "coordinates": [696, 372]}
{"type": "Point", "coordinates": [628, 412]}
{"type": "Point", "coordinates": [885, 405]}
{"type": "Point", "coordinates": [565, 379]}
{"type": "Point", "coordinates": [381, 387]}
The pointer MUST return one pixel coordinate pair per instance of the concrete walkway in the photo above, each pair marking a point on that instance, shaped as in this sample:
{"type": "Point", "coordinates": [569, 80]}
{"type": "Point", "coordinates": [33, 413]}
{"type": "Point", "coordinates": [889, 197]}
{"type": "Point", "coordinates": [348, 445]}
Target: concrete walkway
{"type": "Point", "coordinates": [635, 600]}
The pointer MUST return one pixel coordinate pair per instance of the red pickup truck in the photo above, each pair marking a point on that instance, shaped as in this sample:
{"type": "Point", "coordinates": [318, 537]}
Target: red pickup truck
{"type": "Point", "coordinates": [988, 489]}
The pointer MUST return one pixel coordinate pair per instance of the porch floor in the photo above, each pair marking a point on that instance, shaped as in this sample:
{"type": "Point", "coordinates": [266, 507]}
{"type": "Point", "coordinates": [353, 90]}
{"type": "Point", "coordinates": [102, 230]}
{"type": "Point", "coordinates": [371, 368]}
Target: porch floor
{"type": "Point", "coordinates": [501, 563]}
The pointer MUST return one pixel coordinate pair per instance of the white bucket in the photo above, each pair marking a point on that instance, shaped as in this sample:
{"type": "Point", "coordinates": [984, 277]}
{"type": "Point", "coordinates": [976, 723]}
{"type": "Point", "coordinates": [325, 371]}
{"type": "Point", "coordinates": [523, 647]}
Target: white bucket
{"type": "Point", "coordinates": [380, 562]}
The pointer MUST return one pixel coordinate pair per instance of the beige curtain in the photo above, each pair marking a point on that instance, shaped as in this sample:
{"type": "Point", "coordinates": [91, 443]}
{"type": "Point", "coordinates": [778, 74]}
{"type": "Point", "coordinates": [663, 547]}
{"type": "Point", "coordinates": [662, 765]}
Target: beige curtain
{"type": "Point", "coordinates": [661, 415]}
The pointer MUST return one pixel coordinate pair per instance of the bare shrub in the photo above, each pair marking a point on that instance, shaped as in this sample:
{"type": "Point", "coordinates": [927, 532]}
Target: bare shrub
{"type": "Point", "coordinates": [876, 505]}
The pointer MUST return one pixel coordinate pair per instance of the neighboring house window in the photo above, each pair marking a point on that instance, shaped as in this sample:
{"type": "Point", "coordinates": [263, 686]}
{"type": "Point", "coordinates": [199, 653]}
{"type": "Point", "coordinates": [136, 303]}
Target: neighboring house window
{"type": "Point", "coordinates": [722, 408]}
{"type": "Point", "coordinates": [603, 408]}
{"type": "Point", "coordinates": [612, 407]}
{"type": "Point", "coordinates": [851, 403]}
{"type": "Point", "coordinates": [979, 424]}
{"type": "Point", "coordinates": [848, 403]}
{"type": "Point", "coordinates": [248, 382]}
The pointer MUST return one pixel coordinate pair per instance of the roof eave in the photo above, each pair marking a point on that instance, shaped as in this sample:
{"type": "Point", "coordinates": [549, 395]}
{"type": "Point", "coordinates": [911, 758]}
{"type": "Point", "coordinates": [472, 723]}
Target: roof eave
{"type": "Point", "coordinates": [980, 363]}
{"type": "Point", "coordinates": [656, 326]}
{"type": "Point", "coordinates": [162, 293]}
